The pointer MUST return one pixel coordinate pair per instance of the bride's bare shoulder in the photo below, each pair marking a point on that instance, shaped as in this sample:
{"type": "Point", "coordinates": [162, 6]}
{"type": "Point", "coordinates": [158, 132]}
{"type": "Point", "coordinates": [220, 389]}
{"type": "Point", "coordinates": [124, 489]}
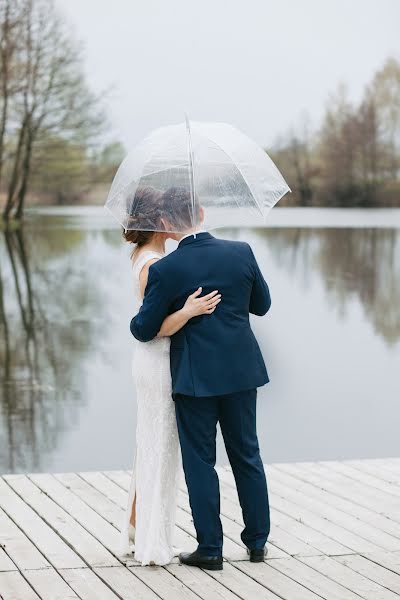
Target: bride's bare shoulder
{"type": "Point", "coordinates": [142, 264]}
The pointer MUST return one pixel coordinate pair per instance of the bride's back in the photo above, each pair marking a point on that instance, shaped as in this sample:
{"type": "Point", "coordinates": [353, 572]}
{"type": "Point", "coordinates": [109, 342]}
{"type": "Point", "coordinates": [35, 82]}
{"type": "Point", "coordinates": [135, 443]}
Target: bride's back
{"type": "Point", "coordinates": [140, 261]}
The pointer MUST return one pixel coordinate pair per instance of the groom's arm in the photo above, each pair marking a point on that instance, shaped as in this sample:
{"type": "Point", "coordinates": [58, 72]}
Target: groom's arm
{"type": "Point", "coordinates": [147, 323]}
{"type": "Point", "coordinates": [260, 299]}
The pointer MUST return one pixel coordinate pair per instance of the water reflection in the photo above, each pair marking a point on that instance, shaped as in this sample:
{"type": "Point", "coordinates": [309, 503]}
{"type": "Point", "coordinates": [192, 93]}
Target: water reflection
{"type": "Point", "coordinates": [46, 302]}
{"type": "Point", "coordinates": [353, 263]}
{"type": "Point", "coordinates": [65, 346]}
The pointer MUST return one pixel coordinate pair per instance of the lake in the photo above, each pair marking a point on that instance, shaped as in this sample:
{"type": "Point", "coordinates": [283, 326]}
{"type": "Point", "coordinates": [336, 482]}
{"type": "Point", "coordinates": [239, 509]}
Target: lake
{"type": "Point", "coordinates": [331, 339]}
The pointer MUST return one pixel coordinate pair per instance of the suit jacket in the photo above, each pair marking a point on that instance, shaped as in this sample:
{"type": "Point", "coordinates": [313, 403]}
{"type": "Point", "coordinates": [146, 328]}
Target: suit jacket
{"type": "Point", "coordinates": [212, 354]}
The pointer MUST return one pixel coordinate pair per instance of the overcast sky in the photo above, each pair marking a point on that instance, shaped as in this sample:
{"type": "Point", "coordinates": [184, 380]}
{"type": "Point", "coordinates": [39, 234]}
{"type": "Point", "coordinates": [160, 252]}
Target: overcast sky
{"type": "Point", "coordinates": [254, 63]}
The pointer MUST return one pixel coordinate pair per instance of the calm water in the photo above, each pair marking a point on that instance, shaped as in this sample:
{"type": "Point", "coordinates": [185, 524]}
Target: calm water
{"type": "Point", "coordinates": [331, 343]}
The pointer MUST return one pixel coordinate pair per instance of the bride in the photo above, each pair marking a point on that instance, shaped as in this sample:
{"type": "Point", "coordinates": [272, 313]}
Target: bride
{"type": "Point", "coordinates": [149, 519]}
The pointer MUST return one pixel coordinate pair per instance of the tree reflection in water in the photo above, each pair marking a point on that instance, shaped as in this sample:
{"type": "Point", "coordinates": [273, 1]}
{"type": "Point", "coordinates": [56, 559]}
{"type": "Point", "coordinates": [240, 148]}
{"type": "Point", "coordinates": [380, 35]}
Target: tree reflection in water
{"type": "Point", "coordinates": [43, 287]}
{"type": "Point", "coordinates": [353, 263]}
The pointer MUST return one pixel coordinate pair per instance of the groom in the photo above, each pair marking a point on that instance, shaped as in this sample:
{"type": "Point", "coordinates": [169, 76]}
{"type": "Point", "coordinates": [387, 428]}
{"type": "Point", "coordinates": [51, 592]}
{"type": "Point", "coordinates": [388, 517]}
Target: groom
{"type": "Point", "coordinates": [216, 368]}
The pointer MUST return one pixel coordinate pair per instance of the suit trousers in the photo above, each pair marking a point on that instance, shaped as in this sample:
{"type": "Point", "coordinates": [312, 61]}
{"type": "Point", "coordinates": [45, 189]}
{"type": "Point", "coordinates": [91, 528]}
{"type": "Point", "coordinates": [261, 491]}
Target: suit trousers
{"type": "Point", "coordinates": [197, 419]}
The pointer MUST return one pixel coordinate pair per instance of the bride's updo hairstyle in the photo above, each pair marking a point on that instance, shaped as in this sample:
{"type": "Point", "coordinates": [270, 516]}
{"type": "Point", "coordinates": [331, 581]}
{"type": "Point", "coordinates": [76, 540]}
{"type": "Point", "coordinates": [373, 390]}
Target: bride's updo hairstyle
{"type": "Point", "coordinates": [146, 219]}
{"type": "Point", "coordinates": [178, 209]}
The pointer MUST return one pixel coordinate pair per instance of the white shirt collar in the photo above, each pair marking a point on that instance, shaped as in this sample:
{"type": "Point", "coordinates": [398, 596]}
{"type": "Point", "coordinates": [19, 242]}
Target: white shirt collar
{"type": "Point", "coordinates": [194, 233]}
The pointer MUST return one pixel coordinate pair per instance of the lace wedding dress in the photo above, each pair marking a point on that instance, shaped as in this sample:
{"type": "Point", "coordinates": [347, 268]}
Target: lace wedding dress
{"type": "Point", "coordinates": [157, 462]}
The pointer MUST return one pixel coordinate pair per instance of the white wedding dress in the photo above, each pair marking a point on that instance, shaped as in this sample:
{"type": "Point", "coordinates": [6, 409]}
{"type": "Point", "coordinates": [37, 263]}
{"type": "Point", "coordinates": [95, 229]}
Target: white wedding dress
{"type": "Point", "coordinates": [157, 460]}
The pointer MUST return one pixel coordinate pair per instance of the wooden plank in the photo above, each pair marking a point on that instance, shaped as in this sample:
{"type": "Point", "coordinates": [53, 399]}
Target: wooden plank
{"type": "Point", "coordinates": [332, 499]}
{"type": "Point", "coordinates": [335, 482]}
{"type": "Point", "coordinates": [6, 564]}
{"type": "Point", "coordinates": [363, 586]}
{"type": "Point", "coordinates": [13, 586]}
{"type": "Point", "coordinates": [56, 551]}
{"type": "Point", "coordinates": [87, 584]}
{"type": "Point", "coordinates": [200, 583]}
{"type": "Point", "coordinates": [277, 582]}
{"type": "Point", "coordinates": [291, 545]}
{"type": "Point", "coordinates": [105, 508]}
{"type": "Point", "coordinates": [240, 584]}
{"type": "Point", "coordinates": [19, 548]}
{"type": "Point", "coordinates": [380, 470]}
{"type": "Point", "coordinates": [108, 510]}
{"type": "Point", "coordinates": [388, 560]}
{"type": "Point", "coordinates": [315, 507]}
{"type": "Point", "coordinates": [102, 537]}
{"type": "Point", "coordinates": [163, 583]}
{"type": "Point", "coordinates": [336, 532]}
{"type": "Point", "coordinates": [373, 571]}
{"type": "Point", "coordinates": [368, 532]}
{"type": "Point", "coordinates": [338, 472]}
{"type": "Point", "coordinates": [82, 542]}
{"type": "Point", "coordinates": [49, 585]}
{"type": "Point", "coordinates": [388, 490]}
{"type": "Point", "coordinates": [124, 583]}
{"type": "Point", "coordinates": [313, 580]}
{"type": "Point", "coordinates": [107, 487]}
{"type": "Point", "coordinates": [118, 477]}
{"type": "Point", "coordinates": [392, 464]}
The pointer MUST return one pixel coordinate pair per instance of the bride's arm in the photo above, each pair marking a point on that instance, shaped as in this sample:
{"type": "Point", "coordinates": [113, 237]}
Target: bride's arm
{"type": "Point", "coordinates": [193, 307]}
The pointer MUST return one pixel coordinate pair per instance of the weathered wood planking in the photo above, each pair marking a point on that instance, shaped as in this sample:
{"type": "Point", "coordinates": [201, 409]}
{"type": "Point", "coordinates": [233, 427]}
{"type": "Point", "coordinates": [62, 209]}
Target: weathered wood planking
{"type": "Point", "coordinates": [335, 535]}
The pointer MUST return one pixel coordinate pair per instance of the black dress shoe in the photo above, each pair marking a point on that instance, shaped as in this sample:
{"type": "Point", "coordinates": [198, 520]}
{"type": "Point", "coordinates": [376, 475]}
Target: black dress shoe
{"type": "Point", "coordinates": [194, 559]}
{"type": "Point", "coordinates": [258, 554]}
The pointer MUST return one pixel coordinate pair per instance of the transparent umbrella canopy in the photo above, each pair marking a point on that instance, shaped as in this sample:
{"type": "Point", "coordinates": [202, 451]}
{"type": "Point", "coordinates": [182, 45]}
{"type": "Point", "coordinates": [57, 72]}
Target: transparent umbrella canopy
{"type": "Point", "coordinates": [218, 172]}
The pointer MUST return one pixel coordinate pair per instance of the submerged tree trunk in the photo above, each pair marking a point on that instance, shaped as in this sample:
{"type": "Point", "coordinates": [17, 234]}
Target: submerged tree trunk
{"type": "Point", "coordinates": [13, 184]}
{"type": "Point", "coordinates": [26, 167]}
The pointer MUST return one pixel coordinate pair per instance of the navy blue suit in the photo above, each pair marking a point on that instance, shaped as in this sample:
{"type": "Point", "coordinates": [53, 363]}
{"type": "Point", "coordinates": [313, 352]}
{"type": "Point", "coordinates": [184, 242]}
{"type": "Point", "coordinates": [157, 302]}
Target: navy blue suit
{"type": "Point", "coordinates": [216, 366]}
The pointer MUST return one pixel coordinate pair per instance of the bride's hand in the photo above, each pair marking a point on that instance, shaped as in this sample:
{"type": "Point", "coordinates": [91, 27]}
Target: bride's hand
{"type": "Point", "coordinates": [205, 305]}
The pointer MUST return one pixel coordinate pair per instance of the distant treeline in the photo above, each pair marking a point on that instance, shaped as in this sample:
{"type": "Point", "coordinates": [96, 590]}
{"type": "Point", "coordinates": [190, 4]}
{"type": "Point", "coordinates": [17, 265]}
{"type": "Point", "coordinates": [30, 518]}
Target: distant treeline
{"type": "Point", "coordinates": [353, 159]}
{"type": "Point", "coordinates": [51, 124]}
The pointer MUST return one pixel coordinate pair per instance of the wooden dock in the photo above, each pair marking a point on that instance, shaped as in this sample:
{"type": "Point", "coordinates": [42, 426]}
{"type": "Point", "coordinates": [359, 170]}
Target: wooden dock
{"type": "Point", "coordinates": [335, 535]}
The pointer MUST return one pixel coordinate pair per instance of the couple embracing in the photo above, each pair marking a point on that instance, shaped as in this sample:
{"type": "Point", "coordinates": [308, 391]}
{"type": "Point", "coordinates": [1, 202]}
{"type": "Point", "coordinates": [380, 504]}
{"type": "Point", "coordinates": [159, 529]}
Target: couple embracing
{"type": "Point", "coordinates": [196, 363]}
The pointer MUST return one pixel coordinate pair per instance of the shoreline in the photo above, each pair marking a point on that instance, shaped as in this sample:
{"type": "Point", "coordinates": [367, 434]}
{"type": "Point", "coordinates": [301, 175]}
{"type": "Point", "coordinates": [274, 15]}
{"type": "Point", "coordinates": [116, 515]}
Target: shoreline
{"type": "Point", "coordinates": [284, 217]}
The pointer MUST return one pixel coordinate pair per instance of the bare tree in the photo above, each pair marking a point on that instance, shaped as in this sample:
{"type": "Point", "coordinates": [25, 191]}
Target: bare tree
{"type": "Point", "coordinates": [11, 13]}
{"type": "Point", "coordinates": [338, 148]}
{"type": "Point", "coordinates": [369, 149]}
{"type": "Point", "coordinates": [355, 156]}
{"type": "Point", "coordinates": [52, 97]}
{"type": "Point", "coordinates": [294, 152]}
{"type": "Point", "coordinates": [385, 94]}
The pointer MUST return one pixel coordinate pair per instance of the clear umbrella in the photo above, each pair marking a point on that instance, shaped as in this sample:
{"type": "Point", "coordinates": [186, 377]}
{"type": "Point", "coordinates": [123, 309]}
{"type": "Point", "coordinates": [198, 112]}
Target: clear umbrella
{"type": "Point", "coordinates": [182, 174]}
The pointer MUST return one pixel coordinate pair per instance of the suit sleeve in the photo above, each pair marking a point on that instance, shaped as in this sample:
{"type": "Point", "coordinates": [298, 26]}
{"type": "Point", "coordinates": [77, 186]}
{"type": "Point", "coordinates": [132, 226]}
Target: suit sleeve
{"type": "Point", "coordinates": [260, 299]}
{"type": "Point", "coordinates": [147, 323]}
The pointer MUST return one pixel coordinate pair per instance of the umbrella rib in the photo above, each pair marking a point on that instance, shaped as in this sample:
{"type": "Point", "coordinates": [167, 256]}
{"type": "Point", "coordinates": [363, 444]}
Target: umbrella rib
{"type": "Point", "coordinates": [233, 162]}
{"type": "Point", "coordinates": [191, 166]}
{"type": "Point", "coordinates": [123, 187]}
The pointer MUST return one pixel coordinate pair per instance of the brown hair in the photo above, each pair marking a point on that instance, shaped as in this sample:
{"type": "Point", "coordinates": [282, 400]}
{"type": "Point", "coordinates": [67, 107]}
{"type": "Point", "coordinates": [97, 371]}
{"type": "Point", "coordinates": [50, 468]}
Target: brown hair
{"type": "Point", "coordinates": [178, 208]}
{"type": "Point", "coordinates": [144, 217]}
